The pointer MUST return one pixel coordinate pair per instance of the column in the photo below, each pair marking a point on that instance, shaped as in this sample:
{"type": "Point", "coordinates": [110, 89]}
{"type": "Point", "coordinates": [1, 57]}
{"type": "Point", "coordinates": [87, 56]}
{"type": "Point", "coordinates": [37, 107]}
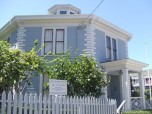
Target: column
{"type": "Point", "coordinates": [142, 89]}
{"type": "Point", "coordinates": [41, 84]}
{"type": "Point", "coordinates": [126, 88]}
{"type": "Point", "coordinates": [104, 90]}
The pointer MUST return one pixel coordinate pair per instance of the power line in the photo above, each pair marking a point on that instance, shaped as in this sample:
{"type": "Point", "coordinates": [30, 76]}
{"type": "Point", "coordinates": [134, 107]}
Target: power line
{"type": "Point", "coordinates": [92, 12]}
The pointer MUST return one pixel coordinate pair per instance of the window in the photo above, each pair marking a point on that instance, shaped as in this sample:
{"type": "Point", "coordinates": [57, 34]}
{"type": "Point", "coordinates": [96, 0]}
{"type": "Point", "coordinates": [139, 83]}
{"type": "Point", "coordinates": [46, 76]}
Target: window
{"type": "Point", "coordinates": [63, 12]}
{"type": "Point", "coordinates": [71, 13]}
{"type": "Point", "coordinates": [59, 41]}
{"type": "Point", "coordinates": [114, 49]}
{"type": "Point", "coordinates": [108, 47]}
{"type": "Point", "coordinates": [48, 41]}
{"type": "Point", "coordinates": [8, 39]}
{"type": "Point", "coordinates": [111, 48]}
{"type": "Point", "coordinates": [54, 40]}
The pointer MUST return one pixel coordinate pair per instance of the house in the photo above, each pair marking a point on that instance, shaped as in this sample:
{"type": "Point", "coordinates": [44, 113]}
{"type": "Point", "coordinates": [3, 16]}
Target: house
{"type": "Point", "coordinates": [66, 28]}
{"type": "Point", "coordinates": [147, 75]}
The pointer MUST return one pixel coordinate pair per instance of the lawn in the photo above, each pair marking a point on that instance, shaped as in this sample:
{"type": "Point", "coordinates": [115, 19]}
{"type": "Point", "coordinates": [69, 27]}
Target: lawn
{"type": "Point", "coordinates": [138, 112]}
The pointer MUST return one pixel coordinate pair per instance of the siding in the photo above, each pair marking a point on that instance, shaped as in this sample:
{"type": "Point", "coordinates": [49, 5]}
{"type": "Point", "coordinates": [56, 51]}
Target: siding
{"type": "Point", "coordinates": [13, 37]}
{"type": "Point", "coordinates": [122, 51]}
{"type": "Point", "coordinates": [100, 46]}
{"type": "Point", "coordinates": [75, 39]}
{"type": "Point", "coordinates": [31, 34]}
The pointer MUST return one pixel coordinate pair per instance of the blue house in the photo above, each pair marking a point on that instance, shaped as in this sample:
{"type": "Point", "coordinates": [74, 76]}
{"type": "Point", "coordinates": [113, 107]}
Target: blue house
{"type": "Point", "coordinates": [66, 28]}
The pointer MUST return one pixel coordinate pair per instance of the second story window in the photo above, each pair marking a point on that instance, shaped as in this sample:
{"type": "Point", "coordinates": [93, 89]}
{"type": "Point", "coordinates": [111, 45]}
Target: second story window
{"type": "Point", "coordinates": [48, 41]}
{"type": "Point", "coordinates": [8, 39]}
{"type": "Point", "coordinates": [59, 41]}
{"type": "Point", "coordinates": [111, 49]}
{"type": "Point", "coordinates": [54, 40]}
{"type": "Point", "coordinates": [108, 47]}
{"type": "Point", "coordinates": [114, 52]}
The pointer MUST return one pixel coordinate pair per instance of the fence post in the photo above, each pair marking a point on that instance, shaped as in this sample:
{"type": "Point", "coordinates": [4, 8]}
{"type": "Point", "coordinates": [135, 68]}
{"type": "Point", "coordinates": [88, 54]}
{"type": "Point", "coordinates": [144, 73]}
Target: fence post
{"type": "Point", "coordinates": [9, 103]}
{"type": "Point", "coordinates": [3, 103]}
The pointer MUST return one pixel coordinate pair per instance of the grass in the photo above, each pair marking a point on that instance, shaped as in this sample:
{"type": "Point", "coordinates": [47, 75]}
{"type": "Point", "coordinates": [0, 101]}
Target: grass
{"type": "Point", "coordinates": [138, 112]}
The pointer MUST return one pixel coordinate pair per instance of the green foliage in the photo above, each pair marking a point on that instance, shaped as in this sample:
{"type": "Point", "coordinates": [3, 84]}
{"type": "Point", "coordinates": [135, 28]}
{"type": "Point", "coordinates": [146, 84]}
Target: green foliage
{"type": "Point", "coordinates": [147, 94]}
{"type": "Point", "coordinates": [137, 94]}
{"type": "Point", "coordinates": [138, 112]}
{"type": "Point", "coordinates": [16, 66]}
{"type": "Point", "coordinates": [81, 72]}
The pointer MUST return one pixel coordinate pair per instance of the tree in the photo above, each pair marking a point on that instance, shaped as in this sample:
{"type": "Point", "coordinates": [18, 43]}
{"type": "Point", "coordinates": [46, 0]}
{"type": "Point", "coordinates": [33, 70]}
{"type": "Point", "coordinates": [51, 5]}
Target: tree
{"type": "Point", "coordinates": [17, 66]}
{"type": "Point", "coordinates": [82, 73]}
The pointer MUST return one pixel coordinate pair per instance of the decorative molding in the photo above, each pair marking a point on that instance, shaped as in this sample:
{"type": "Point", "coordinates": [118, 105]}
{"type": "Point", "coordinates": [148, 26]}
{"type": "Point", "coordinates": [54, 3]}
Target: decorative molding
{"type": "Point", "coordinates": [126, 46]}
{"type": "Point", "coordinates": [21, 38]}
{"type": "Point", "coordinates": [90, 40]}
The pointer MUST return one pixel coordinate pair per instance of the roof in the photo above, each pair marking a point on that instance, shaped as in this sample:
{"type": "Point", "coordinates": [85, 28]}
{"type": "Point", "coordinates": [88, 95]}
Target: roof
{"type": "Point", "coordinates": [130, 64]}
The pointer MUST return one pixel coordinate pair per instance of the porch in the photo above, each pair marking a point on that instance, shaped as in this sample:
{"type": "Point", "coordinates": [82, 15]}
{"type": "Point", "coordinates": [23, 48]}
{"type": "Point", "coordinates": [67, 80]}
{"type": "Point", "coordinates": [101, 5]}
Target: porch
{"type": "Point", "coordinates": [119, 87]}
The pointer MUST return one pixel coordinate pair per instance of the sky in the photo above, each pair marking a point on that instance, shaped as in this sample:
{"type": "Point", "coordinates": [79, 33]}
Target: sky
{"type": "Point", "coordinates": [134, 16]}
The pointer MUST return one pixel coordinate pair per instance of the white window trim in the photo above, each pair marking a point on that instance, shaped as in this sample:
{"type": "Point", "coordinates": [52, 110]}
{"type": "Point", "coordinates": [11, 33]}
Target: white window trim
{"type": "Point", "coordinates": [54, 33]}
{"type": "Point", "coordinates": [112, 59]}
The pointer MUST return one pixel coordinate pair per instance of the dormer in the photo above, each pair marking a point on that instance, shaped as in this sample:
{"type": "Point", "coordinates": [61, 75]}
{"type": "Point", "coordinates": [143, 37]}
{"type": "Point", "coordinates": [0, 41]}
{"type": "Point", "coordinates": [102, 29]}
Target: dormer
{"type": "Point", "coordinates": [66, 9]}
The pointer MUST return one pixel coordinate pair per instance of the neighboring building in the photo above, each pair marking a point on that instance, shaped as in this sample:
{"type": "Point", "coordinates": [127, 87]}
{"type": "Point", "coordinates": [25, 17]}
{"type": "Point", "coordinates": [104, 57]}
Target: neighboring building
{"type": "Point", "coordinates": [63, 29]}
{"type": "Point", "coordinates": [147, 80]}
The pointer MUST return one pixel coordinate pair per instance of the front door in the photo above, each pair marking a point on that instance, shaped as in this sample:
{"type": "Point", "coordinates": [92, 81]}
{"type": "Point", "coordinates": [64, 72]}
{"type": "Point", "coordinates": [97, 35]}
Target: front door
{"type": "Point", "coordinates": [114, 89]}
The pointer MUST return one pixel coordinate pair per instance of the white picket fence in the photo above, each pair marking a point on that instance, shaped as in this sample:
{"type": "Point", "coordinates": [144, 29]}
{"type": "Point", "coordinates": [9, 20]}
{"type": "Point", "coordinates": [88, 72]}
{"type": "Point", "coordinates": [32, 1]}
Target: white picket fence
{"type": "Point", "coordinates": [33, 104]}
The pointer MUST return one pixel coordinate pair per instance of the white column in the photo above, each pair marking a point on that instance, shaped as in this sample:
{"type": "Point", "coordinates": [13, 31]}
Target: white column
{"type": "Point", "coordinates": [41, 84]}
{"type": "Point", "coordinates": [105, 95]}
{"type": "Point", "coordinates": [142, 89]}
{"type": "Point", "coordinates": [126, 88]}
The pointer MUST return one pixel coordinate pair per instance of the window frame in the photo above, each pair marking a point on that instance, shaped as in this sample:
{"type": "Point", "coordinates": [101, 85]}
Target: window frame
{"type": "Point", "coordinates": [61, 12]}
{"type": "Point", "coordinates": [54, 28]}
{"type": "Point", "coordinates": [48, 41]}
{"type": "Point", "coordinates": [59, 41]}
{"type": "Point", "coordinates": [111, 49]}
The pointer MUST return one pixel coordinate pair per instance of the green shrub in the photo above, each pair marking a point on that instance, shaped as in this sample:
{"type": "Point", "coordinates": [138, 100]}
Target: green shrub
{"type": "Point", "coordinates": [138, 112]}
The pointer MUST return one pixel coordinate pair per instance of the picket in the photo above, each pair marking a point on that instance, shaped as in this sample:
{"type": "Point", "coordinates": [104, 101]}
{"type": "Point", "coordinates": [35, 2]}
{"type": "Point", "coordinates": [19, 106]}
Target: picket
{"type": "Point", "coordinates": [33, 104]}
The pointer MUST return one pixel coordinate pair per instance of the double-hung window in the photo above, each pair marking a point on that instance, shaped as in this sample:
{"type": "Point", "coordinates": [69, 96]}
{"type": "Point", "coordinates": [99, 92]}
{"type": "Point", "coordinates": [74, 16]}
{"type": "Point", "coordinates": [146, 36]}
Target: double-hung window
{"type": "Point", "coordinates": [114, 49]}
{"type": "Point", "coordinates": [48, 41]}
{"type": "Point", "coordinates": [59, 41]}
{"type": "Point", "coordinates": [108, 47]}
{"type": "Point", "coordinates": [54, 40]}
{"type": "Point", "coordinates": [111, 48]}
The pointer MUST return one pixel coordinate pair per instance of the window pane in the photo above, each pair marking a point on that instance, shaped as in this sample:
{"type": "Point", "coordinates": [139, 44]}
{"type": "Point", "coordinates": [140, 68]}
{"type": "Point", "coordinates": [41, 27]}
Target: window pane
{"type": "Point", "coordinates": [48, 47]}
{"type": "Point", "coordinates": [108, 42]}
{"type": "Point", "coordinates": [114, 55]}
{"type": "Point", "coordinates": [59, 35]}
{"type": "Point", "coordinates": [71, 13]}
{"type": "Point", "coordinates": [114, 44]}
{"type": "Point", "coordinates": [48, 35]}
{"type": "Point", "coordinates": [108, 53]}
{"type": "Point", "coordinates": [63, 12]}
{"type": "Point", "coordinates": [59, 47]}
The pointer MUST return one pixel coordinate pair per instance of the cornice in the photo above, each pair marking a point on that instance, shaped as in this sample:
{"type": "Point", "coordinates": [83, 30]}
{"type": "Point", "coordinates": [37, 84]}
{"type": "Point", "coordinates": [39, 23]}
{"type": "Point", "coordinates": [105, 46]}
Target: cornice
{"type": "Point", "coordinates": [35, 20]}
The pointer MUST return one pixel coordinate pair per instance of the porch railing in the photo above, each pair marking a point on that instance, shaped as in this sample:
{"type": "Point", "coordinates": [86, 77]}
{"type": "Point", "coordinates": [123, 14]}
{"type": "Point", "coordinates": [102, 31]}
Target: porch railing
{"type": "Point", "coordinates": [136, 103]}
{"type": "Point", "coordinates": [120, 108]}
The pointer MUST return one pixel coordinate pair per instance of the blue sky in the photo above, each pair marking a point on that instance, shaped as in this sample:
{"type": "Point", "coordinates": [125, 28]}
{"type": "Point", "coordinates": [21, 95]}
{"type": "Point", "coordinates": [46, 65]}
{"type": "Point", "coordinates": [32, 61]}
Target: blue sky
{"type": "Point", "coordinates": [135, 16]}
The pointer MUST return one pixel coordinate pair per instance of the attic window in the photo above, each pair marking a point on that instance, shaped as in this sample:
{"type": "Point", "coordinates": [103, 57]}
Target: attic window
{"type": "Point", "coordinates": [63, 12]}
{"type": "Point", "coordinates": [71, 13]}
